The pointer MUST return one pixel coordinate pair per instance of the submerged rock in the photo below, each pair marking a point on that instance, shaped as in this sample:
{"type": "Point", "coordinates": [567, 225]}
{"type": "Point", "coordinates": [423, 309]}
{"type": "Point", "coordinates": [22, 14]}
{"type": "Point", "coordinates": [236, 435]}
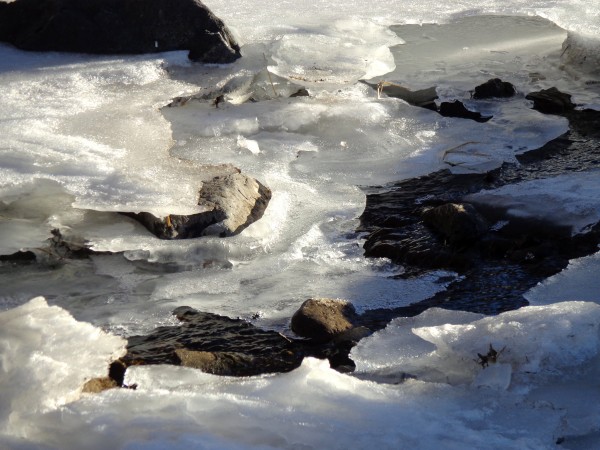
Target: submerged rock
{"type": "Point", "coordinates": [424, 98]}
{"type": "Point", "coordinates": [118, 27]}
{"type": "Point", "coordinates": [551, 101]}
{"type": "Point", "coordinates": [232, 203]}
{"type": "Point", "coordinates": [323, 319]}
{"type": "Point", "coordinates": [494, 88]}
{"type": "Point", "coordinates": [458, 109]}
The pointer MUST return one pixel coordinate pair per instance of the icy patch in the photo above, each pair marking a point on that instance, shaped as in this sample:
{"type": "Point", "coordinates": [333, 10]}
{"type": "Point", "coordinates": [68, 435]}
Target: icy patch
{"type": "Point", "coordinates": [46, 358]}
{"type": "Point", "coordinates": [570, 200]}
{"type": "Point", "coordinates": [579, 281]}
{"type": "Point", "coordinates": [361, 51]}
{"type": "Point", "coordinates": [538, 342]}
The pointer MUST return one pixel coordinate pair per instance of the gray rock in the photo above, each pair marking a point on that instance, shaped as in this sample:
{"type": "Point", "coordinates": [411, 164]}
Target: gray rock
{"type": "Point", "coordinates": [322, 319]}
{"type": "Point", "coordinates": [232, 201]}
{"type": "Point", "coordinates": [118, 27]}
{"type": "Point", "coordinates": [460, 223]}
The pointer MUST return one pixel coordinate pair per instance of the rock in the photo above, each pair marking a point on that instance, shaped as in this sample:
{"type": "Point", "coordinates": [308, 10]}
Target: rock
{"type": "Point", "coordinates": [96, 385]}
{"type": "Point", "coordinates": [221, 363]}
{"type": "Point", "coordinates": [216, 344]}
{"type": "Point", "coordinates": [232, 201]}
{"type": "Point", "coordinates": [118, 27]}
{"type": "Point", "coordinates": [459, 223]}
{"type": "Point", "coordinates": [458, 109]}
{"type": "Point", "coordinates": [322, 319]}
{"type": "Point", "coordinates": [551, 101]}
{"type": "Point", "coordinates": [494, 88]}
{"type": "Point", "coordinates": [424, 98]}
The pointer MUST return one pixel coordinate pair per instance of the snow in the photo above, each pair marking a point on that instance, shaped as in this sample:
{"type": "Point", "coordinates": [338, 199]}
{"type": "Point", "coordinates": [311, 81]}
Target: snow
{"type": "Point", "coordinates": [84, 136]}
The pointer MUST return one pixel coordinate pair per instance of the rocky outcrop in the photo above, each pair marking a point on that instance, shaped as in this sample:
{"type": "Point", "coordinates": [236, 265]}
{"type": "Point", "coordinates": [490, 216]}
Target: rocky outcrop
{"type": "Point", "coordinates": [551, 101]}
{"type": "Point", "coordinates": [232, 203]}
{"type": "Point", "coordinates": [322, 319]}
{"type": "Point", "coordinates": [118, 27]}
{"type": "Point", "coordinates": [494, 88]}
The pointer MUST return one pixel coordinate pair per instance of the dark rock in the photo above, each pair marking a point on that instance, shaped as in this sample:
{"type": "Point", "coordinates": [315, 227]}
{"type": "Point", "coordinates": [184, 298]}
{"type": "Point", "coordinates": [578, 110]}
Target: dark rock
{"type": "Point", "coordinates": [551, 101]}
{"type": "Point", "coordinates": [494, 88]}
{"type": "Point", "coordinates": [322, 319]}
{"type": "Point", "coordinates": [458, 223]}
{"type": "Point", "coordinates": [458, 109]}
{"type": "Point", "coordinates": [118, 27]}
{"type": "Point", "coordinates": [215, 344]}
{"type": "Point", "coordinates": [19, 257]}
{"type": "Point", "coordinates": [232, 201]}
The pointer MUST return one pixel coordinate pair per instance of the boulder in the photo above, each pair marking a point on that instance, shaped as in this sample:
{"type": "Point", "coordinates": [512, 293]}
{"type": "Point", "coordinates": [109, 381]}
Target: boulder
{"type": "Point", "coordinates": [118, 27]}
{"type": "Point", "coordinates": [322, 319]}
{"type": "Point", "coordinates": [459, 223]}
{"type": "Point", "coordinates": [494, 88]}
{"type": "Point", "coordinates": [96, 385]}
{"type": "Point", "coordinates": [232, 203]}
{"type": "Point", "coordinates": [551, 101]}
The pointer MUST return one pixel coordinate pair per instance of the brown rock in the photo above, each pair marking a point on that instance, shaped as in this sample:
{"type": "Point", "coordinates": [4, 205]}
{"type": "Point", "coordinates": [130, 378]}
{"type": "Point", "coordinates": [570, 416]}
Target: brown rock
{"type": "Point", "coordinates": [323, 318]}
{"type": "Point", "coordinates": [459, 223]}
{"type": "Point", "coordinates": [96, 385]}
{"type": "Point", "coordinates": [233, 202]}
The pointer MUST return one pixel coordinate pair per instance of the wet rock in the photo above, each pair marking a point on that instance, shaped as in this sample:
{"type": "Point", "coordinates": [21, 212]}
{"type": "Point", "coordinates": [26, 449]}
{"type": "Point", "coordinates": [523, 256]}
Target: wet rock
{"type": "Point", "coordinates": [494, 88]}
{"type": "Point", "coordinates": [215, 344]}
{"type": "Point", "coordinates": [322, 319]}
{"type": "Point", "coordinates": [232, 203]}
{"type": "Point", "coordinates": [118, 27]}
{"type": "Point", "coordinates": [459, 223]}
{"type": "Point", "coordinates": [551, 101]}
{"type": "Point", "coordinates": [458, 109]}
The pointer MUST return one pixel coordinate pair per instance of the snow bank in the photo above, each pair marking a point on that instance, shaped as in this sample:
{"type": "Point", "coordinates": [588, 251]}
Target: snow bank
{"type": "Point", "coordinates": [46, 357]}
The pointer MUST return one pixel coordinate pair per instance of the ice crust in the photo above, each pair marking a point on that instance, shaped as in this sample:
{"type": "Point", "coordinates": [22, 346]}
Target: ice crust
{"type": "Point", "coordinates": [551, 359]}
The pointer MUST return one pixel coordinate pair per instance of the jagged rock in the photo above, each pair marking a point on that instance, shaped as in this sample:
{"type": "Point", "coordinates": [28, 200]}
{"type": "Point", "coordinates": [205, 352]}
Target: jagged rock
{"type": "Point", "coordinates": [458, 109]}
{"type": "Point", "coordinates": [551, 101]}
{"type": "Point", "coordinates": [322, 319]}
{"type": "Point", "coordinates": [118, 27]}
{"type": "Point", "coordinates": [232, 201]}
{"type": "Point", "coordinates": [494, 88]}
{"type": "Point", "coordinates": [458, 223]}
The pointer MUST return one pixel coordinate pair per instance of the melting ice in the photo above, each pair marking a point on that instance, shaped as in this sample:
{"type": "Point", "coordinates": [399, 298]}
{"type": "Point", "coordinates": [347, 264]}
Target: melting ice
{"type": "Point", "coordinates": [82, 137]}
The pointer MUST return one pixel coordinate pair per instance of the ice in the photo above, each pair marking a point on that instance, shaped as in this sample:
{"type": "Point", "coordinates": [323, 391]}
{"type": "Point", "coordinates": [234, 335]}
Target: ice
{"type": "Point", "coordinates": [46, 358]}
{"type": "Point", "coordinates": [314, 406]}
{"type": "Point", "coordinates": [569, 200]}
{"type": "Point", "coordinates": [579, 281]}
{"type": "Point", "coordinates": [84, 136]}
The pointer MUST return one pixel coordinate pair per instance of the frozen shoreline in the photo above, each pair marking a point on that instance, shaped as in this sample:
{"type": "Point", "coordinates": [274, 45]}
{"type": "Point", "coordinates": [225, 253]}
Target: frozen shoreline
{"type": "Point", "coordinates": [102, 114]}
